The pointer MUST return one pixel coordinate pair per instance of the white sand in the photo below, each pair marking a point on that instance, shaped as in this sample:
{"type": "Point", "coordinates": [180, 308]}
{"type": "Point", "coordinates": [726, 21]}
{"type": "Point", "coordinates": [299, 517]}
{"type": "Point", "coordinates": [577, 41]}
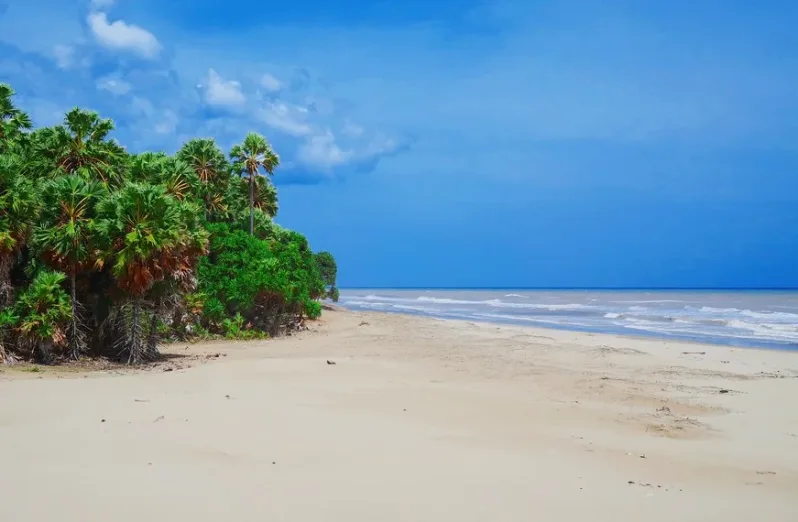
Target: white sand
{"type": "Point", "coordinates": [419, 420]}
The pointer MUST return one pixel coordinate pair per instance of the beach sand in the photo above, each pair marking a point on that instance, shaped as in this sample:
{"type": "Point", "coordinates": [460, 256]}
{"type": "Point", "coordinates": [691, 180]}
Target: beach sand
{"type": "Point", "coordinates": [417, 420]}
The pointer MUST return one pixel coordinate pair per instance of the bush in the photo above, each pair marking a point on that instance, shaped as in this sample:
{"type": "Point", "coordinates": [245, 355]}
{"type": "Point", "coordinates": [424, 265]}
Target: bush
{"type": "Point", "coordinates": [313, 309]}
{"type": "Point", "coordinates": [269, 284]}
{"type": "Point", "coordinates": [44, 310]}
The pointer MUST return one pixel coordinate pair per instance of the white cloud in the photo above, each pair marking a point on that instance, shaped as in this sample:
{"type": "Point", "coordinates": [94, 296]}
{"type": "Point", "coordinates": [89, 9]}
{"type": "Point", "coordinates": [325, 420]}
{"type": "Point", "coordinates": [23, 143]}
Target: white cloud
{"type": "Point", "coordinates": [102, 4]}
{"type": "Point", "coordinates": [114, 85]}
{"type": "Point", "coordinates": [289, 119]}
{"type": "Point", "coordinates": [352, 130]}
{"type": "Point", "coordinates": [270, 83]}
{"type": "Point", "coordinates": [64, 56]}
{"type": "Point", "coordinates": [322, 151]}
{"type": "Point", "coordinates": [120, 36]}
{"type": "Point", "coordinates": [168, 124]}
{"type": "Point", "coordinates": [222, 93]}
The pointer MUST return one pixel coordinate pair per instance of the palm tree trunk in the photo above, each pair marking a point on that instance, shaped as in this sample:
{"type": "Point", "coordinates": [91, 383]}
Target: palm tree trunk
{"type": "Point", "coordinates": [252, 203]}
{"type": "Point", "coordinates": [45, 349]}
{"type": "Point", "coordinates": [136, 349]}
{"type": "Point", "coordinates": [77, 343]}
{"type": "Point", "coordinates": [152, 338]}
{"type": "Point", "coordinates": [6, 298]}
{"type": "Point", "coordinates": [6, 290]}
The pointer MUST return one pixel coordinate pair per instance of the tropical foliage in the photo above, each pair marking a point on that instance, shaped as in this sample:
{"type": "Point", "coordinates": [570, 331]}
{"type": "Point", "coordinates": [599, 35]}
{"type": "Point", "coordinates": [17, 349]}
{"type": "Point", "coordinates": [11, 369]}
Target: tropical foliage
{"type": "Point", "coordinates": [108, 253]}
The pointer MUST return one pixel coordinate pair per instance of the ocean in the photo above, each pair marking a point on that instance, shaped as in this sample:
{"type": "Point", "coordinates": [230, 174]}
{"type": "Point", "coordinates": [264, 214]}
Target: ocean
{"type": "Point", "coordinates": [767, 319]}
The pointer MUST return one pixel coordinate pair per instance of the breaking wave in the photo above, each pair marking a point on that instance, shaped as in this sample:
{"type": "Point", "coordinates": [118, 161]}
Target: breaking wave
{"type": "Point", "coordinates": [730, 318]}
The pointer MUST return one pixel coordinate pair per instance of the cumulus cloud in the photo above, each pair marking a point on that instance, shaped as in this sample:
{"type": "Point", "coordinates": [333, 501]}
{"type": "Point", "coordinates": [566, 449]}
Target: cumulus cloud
{"type": "Point", "coordinates": [222, 93]}
{"type": "Point", "coordinates": [114, 85]}
{"type": "Point", "coordinates": [289, 119]}
{"type": "Point", "coordinates": [120, 36]}
{"type": "Point", "coordinates": [323, 152]}
{"type": "Point", "coordinates": [270, 83]}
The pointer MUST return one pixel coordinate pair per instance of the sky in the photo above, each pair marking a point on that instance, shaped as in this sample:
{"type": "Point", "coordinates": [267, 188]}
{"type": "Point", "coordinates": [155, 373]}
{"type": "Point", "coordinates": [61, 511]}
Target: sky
{"type": "Point", "coordinates": [469, 143]}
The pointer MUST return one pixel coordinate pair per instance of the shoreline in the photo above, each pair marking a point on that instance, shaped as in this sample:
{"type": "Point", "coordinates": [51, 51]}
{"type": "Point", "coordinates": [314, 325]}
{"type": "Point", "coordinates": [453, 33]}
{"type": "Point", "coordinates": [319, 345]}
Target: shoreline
{"type": "Point", "coordinates": [732, 318]}
{"type": "Point", "coordinates": [791, 348]}
{"type": "Point", "coordinates": [417, 419]}
{"type": "Point", "coordinates": [182, 355]}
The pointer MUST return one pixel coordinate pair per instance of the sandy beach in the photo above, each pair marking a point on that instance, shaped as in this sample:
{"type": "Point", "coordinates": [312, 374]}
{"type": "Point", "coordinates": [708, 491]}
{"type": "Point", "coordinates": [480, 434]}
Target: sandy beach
{"type": "Point", "coordinates": [418, 419]}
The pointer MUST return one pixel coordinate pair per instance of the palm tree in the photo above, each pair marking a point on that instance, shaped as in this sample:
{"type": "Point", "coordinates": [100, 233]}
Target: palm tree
{"type": "Point", "coordinates": [63, 238]}
{"type": "Point", "coordinates": [81, 146]}
{"type": "Point", "coordinates": [174, 174]}
{"type": "Point", "coordinates": [209, 163]}
{"type": "Point", "coordinates": [254, 154]}
{"type": "Point", "coordinates": [265, 194]}
{"type": "Point", "coordinates": [18, 205]}
{"type": "Point", "coordinates": [180, 267]}
{"type": "Point", "coordinates": [147, 237]}
{"type": "Point", "coordinates": [43, 310]}
{"type": "Point", "coordinates": [12, 120]}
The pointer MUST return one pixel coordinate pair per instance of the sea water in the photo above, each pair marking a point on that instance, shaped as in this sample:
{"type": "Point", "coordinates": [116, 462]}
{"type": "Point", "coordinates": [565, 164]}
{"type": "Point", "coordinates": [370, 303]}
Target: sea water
{"type": "Point", "coordinates": [742, 318]}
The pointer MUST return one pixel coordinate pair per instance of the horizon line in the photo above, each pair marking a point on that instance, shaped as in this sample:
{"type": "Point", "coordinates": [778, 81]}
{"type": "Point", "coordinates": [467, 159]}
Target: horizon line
{"type": "Point", "coordinates": [654, 288]}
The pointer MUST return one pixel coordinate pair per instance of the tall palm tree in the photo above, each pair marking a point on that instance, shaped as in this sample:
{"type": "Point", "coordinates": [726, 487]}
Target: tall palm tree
{"type": "Point", "coordinates": [146, 238]}
{"type": "Point", "coordinates": [81, 146]}
{"type": "Point", "coordinates": [251, 156]}
{"type": "Point", "coordinates": [264, 197]}
{"type": "Point", "coordinates": [13, 122]}
{"type": "Point", "coordinates": [18, 206]}
{"type": "Point", "coordinates": [209, 163]}
{"type": "Point", "coordinates": [63, 238]}
{"type": "Point", "coordinates": [180, 269]}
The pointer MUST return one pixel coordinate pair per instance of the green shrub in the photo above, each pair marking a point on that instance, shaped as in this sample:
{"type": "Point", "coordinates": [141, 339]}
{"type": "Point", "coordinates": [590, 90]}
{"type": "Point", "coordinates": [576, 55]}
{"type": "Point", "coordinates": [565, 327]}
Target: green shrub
{"type": "Point", "coordinates": [313, 309]}
{"type": "Point", "coordinates": [44, 311]}
{"type": "Point", "coordinates": [269, 283]}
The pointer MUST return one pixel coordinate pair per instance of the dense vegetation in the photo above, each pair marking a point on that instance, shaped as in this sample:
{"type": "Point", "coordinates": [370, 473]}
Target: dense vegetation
{"type": "Point", "coordinates": [107, 253]}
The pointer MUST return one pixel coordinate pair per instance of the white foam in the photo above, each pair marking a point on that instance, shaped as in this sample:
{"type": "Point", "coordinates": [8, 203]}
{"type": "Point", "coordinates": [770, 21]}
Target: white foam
{"type": "Point", "coordinates": [785, 317]}
{"type": "Point", "coordinates": [531, 306]}
{"type": "Point", "coordinates": [498, 303]}
{"type": "Point", "coordinates": [648, 301]}
{"type": "Point", "coordinates": [444, 300]}
{"type": "Point", "coordinates": [713, 310]}
{"type": "Point", "coordinates": [364, 303]}
{"type": "Point", "coordinates": [425, 309]}
{"type": "Point", "coordinates": [372, 297]}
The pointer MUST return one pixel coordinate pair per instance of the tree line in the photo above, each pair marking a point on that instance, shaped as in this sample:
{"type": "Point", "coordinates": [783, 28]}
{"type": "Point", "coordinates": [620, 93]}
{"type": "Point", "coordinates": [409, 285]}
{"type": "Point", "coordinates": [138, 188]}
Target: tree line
{"type": "Point", "coordinates": [108, 253]}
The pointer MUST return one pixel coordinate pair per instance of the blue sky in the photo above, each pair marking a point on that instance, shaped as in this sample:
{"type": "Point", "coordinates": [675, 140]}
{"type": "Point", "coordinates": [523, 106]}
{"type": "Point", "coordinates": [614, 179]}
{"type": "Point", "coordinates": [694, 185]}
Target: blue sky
{"type": "Point", "coordinates": [503, 143]}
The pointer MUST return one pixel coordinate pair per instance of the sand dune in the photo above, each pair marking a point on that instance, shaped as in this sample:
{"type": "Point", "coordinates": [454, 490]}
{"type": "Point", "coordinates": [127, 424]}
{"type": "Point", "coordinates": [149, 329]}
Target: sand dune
{"type": "Point", "coordinates": [418, 420]}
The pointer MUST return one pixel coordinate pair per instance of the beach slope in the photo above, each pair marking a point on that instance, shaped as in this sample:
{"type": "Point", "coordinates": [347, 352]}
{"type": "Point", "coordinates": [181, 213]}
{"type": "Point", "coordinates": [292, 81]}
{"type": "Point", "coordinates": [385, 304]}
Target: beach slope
{"type": "Point", "coordinates": [417, 419]}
